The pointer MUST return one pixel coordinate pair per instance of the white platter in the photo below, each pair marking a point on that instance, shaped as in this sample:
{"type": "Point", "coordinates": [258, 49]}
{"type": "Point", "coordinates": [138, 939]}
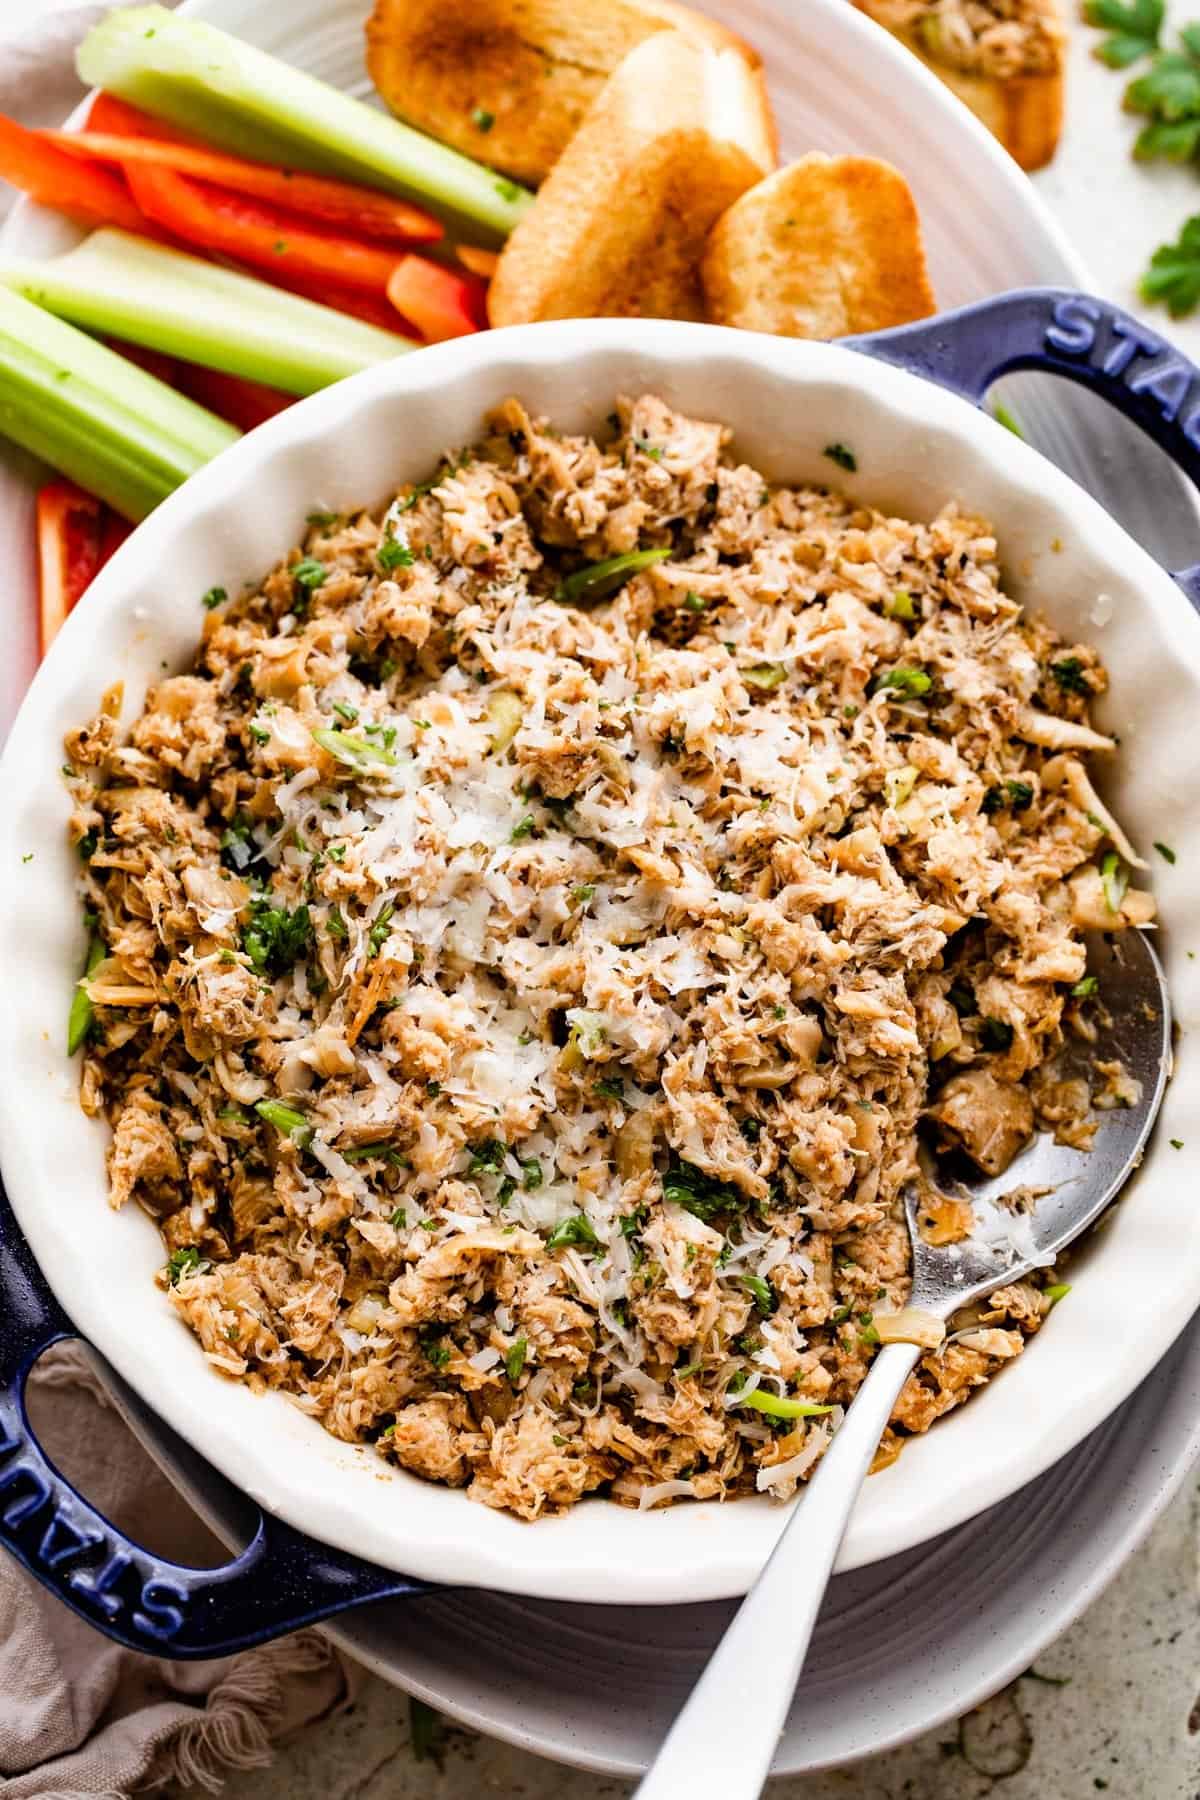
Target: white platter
{"type": "Point", "coordinates": [597, 1687]}
{"type": "Point", "coordinates": [985, 231]}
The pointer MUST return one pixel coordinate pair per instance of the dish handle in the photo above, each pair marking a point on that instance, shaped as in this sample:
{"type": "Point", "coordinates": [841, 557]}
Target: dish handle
{"type": "Point", "coordinates": [1065, 333]}
{"type": "Point", "coordinates": [281, 1581]}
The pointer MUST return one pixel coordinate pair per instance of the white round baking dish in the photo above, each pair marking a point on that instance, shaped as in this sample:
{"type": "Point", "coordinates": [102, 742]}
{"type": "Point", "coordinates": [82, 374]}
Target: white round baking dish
{"type": "Point", "coordinates": [916, 446]}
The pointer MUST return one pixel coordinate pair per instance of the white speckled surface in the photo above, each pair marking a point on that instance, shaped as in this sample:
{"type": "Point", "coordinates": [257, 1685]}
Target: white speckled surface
{"type": "Point", "coordinates": [1119, 1725]}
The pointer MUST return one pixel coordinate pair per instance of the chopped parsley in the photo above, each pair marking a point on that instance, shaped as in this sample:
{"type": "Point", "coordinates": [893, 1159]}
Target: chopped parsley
{"type": "Point", "coordinates": [576, 1228]}
{"type": "Point", "coordinates": [392, 554]}
{"type": "Point", "coordinates": [514, 1359]}
{"type": "Point", "coordinates": [1071, 676]}
{"type": "Point", "coordinates": [482, 119]}
{"type": "Point", "coordinates": [335, 925]}
{"type": "Point", "coordinates": [611, 1088]}
{"type": "Point", "coordinates": [522, 829]}
{"type": "Point", "coordinates": [1083, 990]}
{"type": "Point", "coordinates": [1015, 794]}
{"type": "Point", "coordinates": [276, 939]}
{"type": "Point", "coordinates": [531, 1172]}
{"type": "Point", "coordinates": [183, 1262]}
{"type": "Point", "coordinates": [377, 936]}
{"type": "Point", "coordinates": [582, 894]}
{"type": "Point", "coordinates": [700, 1194]}
{"type": "Point", "coordinates": [348, 713]}
{"type": "Point", "coordinates": [308, 575]}
{"type": "Point", "coordinates": [487, 1158]}
{"type": "Point", "coordinates": [1176, 1143]}
{"type": "Point", "coordinates": [399, 1219]}
{"type": "Point", "coordinates": [216, 596]}
{"type": "Point", "coordinates": [437, 1353]}
{"type": "Point", "coordinates": [762, 1293]}
{"type": "Point", "coordinates": [842, 456]}
{"type": "Point", "coordinates": [1165, 851]}
{"type": "Point", "coordinates": [694, 602]}
{"type": "Point", "coordinates": [415, 493]}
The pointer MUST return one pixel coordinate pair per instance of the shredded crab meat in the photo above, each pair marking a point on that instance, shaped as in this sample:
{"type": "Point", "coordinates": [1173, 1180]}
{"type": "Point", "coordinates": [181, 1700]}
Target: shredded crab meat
{"type": "Point", "coordinates": [1001, 38]}
{"type": "Point", "coordinates": [525, 980]}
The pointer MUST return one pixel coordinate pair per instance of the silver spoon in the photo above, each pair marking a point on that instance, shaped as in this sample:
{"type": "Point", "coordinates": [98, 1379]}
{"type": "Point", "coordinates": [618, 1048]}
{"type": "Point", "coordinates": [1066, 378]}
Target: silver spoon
{"type": "Point", "coordinates": [721, 1744]}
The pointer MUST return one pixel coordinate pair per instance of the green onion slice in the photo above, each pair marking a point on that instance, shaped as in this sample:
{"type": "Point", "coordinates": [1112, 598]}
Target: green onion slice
{"type": "Point", "coordinates": [287, 1120]}
{"type": "Point", "coordinates": [598, 580]}
{"type": "Point", "coordinates": [781, 1407]}
{"type": "Point", "coordinates": [356, 752]}
{"type": "Point", "coordinates": [79, 1019]}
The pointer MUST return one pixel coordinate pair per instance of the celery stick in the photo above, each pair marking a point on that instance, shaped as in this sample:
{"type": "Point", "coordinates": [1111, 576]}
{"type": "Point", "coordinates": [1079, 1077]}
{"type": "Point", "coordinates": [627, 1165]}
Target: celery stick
{"type": "Point", "coordinates": [94, 416]}
{"type": "Point", "coordinates": [134, 289]}
{"type": "Point", "coordinates": [234, 95]}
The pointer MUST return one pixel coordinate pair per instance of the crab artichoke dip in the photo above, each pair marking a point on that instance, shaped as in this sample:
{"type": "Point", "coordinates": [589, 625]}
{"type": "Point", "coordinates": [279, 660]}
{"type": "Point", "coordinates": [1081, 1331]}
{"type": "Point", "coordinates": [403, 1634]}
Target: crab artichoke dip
{"type": "Point", "coordinates": [532, 943]}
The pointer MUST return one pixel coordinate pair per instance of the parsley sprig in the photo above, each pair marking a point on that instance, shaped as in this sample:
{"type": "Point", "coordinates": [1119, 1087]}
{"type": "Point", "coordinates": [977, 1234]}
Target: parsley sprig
{"type": "Point", "coordinates": [1167, 95]}
{"type": "Point", "coordinates": [1174, 273]}
{"type": "Point", "coordinates": [1133, 27]}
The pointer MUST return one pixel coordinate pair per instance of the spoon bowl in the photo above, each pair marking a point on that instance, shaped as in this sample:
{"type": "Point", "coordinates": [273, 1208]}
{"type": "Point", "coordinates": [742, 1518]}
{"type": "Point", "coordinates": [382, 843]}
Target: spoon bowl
{"type": "Point", "coordinates": [1062, 1190]}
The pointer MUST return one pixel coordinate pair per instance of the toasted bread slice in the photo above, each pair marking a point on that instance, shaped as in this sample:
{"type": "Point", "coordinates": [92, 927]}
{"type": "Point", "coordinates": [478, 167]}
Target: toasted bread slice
{"type": "Point", "coordinates": [1024, 111]}
{"type": "Point", "coordinates": [510, 81]}
{"type": "Point", "coordinates": [825, 247]}
{"type": "Point", "coordinates": [620, 223]}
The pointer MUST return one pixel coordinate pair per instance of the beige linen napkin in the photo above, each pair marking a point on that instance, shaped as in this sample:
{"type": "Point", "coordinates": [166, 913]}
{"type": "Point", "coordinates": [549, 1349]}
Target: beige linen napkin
{"type": "Point", "coordinates": [79, 1715]}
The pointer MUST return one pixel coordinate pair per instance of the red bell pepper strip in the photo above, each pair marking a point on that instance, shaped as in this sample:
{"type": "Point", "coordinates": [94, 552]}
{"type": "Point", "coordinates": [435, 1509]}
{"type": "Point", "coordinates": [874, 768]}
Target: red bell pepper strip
{"type": "Point", "coordinates": [480, 262]}
{"type": "Point", "coordinates": [244, 403]}
{"type": "Point", "coordinates": [371, 308]}
{"type": "Point", "coordinates": [69, 530]}
{"type": "Point", "coordinates": [361, 211]}
{"type": "Point", "coordinates": [108, 114]}
{"type": "Point", "coordinates": [439, 302]}
{"type": "Point", "coordinates": [255, 233]}
{"type": "Point", "coordinates": [113, 532]}
{"type": "Point", "coordinates": [85, 193]}
{"type": "Point", "coordinates": [76, 535]}
{"type": "Point", "coordinates": [155, 362]}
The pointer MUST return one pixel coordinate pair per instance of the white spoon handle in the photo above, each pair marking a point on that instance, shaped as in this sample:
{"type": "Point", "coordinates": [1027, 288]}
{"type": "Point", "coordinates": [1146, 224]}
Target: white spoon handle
{"type": "Point", "coordinates": [721, 1745]}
